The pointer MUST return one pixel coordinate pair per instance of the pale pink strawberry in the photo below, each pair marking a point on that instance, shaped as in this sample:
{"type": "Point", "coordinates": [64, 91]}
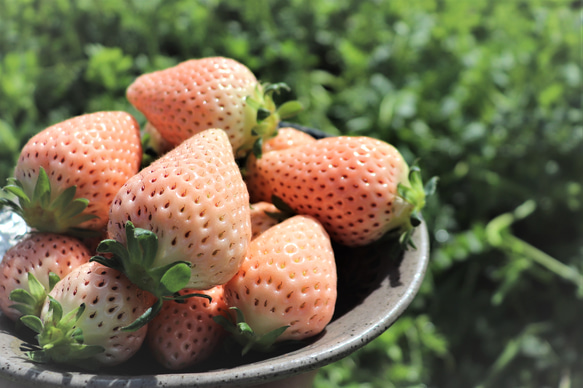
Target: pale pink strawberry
{"type": "Point", "coordinates": [358, 187]}
{"type": "Point", "coordinates": [189, 210]}
{"type": "Point", "coordinates": [259, 190]}
{"type": "Point", "coordinates": [158, 144]}
{"type": "Point", "coordinates": [205, 93]}
{"type": "Point", "coordinates": [287, 280]}
{"type": "Point", "coordinates": [67, 174]}
{"type": "Point", "coordinates": [184, 332]}
{"type": "Point", "coordinates": [39, 254]}
{"type": "Point", "coordinates": [83, 321]}
{"type": "Point", "coordinates": [287, 137]}
{"type": "Point", "coordinates": [263, 217]}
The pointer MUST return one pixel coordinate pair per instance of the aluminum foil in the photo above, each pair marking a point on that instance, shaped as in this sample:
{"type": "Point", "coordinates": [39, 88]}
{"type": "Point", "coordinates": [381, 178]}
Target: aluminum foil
{"type": "Point", "coordinates": [12, 228]}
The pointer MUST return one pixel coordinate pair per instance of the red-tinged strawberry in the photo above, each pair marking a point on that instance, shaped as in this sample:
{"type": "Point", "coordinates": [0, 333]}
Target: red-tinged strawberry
{"type": "Point", "coordinates": [47, 257]}
{"type": "Point", "coordinates": [214, 92]}
{"type": "Point", "coordinates": [185, 333]}
{"type": "Point", "coordinates": [182, 222]}
{"type": "Point", "coordinates": [82, 322]}
{"type": "Point", "coordinates": [67, 174]}
{"type": "Point", "coordinates": [358, 187]}
{"type": "Point", "coordinates": [259, 190]}
{"type": "Point", "coordinates": [286, 287]}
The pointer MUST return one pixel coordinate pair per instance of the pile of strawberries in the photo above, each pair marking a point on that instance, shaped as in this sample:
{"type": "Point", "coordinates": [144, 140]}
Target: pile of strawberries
{"type": "Point", "coordinates": [226, 230]}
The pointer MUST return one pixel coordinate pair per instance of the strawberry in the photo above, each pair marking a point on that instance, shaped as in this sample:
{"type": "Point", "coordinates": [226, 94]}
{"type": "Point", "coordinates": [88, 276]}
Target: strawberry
{"type": "Point", "coordinates": [156, 141]}
{"type": "Point", "coordinates": [184, 333]}
{"type": "Point", "coordinates": [182, 222]}
{"type": "Point", "coordinates": [286, 137]}
{"type": "Point", "coordinates": [358, 187]}
{"type": "Point", "coordinates": [153, 144]}
{"type": "Point", "coordinates": [47, 257]}
{"type": "Point", "coordinates": [264, 215]}
{"type": "Point", "coordinates": [67, 174]}
{"type": "Point", "coordinates": [207, 93]}
{"type": "Point", "coordinates": [286, 287]}
{"type": "Point", "coordinates": [82, 322]}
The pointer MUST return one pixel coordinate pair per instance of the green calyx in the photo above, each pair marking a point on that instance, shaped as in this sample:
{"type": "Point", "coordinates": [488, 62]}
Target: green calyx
{"type": "Point", "coordinates": [31, 301]}
{"type": "Point", "coordinates": [243, 334]}
{"type": "Point", "coordinates": [61, 214]}
{"type": "Point", "coordinates": [136, 260]}
{"type": "Point", "coordinates": [263, 116]}
{"type": "Point", "coordinates": [412, 194]}
{"type": "Point", "coordinates": [60, 340]}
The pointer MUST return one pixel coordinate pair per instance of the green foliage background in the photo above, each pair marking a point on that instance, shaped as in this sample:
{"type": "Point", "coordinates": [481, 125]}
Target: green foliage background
{"type": "Point", "coordinates": [486, 93]}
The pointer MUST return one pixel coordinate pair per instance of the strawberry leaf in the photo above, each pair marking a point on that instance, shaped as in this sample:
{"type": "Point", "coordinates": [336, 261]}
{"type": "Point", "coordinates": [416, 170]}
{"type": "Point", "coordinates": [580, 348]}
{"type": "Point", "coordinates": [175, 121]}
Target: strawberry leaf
{"type": "Point", "coordinates": [148, 245]}
{"type": "Point", "coordinates": [117, 249]}
{"type": "Point", "coordinates": [177, 297]}
{"type": "Point", "coordinates": [225, 323]}
{"type": "Point", "coordinates": [146, 317]}
{"type": "Point", "coordinates": [267, 340]}
{"type": "Point", "coordinates": [22, 297]}
{"type": "Point", "coordinates": [53, 279]}
{"type": "Point", "coordinates": [75, 208]}
{"type": "Point", "coordinates": [252, 102]}
{"type": "Point", "coordinates": [155, 309]}
{"type": "Point", "coordinates": [269, 89]}
{"type": "Point", "coordinates": [32, 322]}
{"type": "Point", "coordinates": [38, 356]}
{"type": "Point", "coordinates": [42, 189]}
{"type": "Point", "coordinates": [412, 194]}
{"type": "Point", "coordinates": [282, 206]}
{"type": "Point", "coordinates": [431, 186]}
{"type": "Point", "coordinates": [262, 114]}
{"type": "Point", "coordinates": [258, 148]}
{"type": "Point", "coordinates": [46, 212]}
{"type": "Point", "coordinates": [30, 302]}
{"type": "Point", "coordinates": [244, 334]}
{"type": "Point", "coordinates": [15, 188]}
{"type": "Point", "coordinates": [175, 278]}
{"type": "Point", "coordinates": [64, 199]}
{"type": "Point", "coordinates": [84, 352]}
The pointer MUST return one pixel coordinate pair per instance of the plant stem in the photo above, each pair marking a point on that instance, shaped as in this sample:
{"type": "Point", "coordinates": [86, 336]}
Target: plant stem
{"type": "Point", "coordinates": [521, 247]}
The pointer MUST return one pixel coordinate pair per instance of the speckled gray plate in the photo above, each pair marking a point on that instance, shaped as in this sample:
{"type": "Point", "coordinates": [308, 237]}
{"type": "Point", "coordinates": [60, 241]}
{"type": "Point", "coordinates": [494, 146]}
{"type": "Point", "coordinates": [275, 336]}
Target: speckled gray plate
{"type": "Point", "coordinates": [375, 285]}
